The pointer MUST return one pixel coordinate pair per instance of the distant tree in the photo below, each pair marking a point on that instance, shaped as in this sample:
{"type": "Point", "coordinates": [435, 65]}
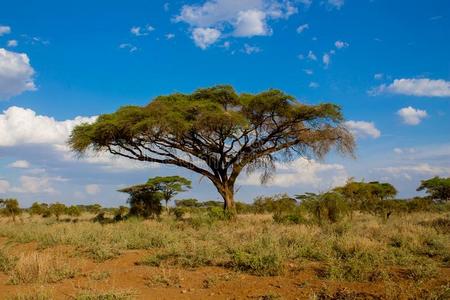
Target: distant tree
{"type": "Point", "coordinates": [169, 186]}
{"type": "Point", "coordinates": [330, 207]}
{"type": "Point", "coordinates": [437, 188]}
{"type": "Point", "coordinates": [73, 211]}
{"type": "Point", "coordinates": [57, 209]}
{"type": "Point", "coordinates": [274, 204]}
{"type": "Point", "coordinates": [37, 209]}
{"type": "Point", "coordinates": [366, 195]}
{"type": "Point", "coordinates": [10, 207]}
{"type": "Point", "coordinates": [144, 200]}
{"type": "Point", "coordinates": [218, 133]}
{"type": "Point", "coordinates": [187, 203]}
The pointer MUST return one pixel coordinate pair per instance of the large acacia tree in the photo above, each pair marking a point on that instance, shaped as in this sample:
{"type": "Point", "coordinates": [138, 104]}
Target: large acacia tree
{"type": "Point", "coordinates": [218, 133]}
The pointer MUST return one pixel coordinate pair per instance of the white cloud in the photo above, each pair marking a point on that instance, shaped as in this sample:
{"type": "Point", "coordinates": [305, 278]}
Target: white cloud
{"type": "Point", "coordinates": [311, 55]}
{"type": "Point", "coordinates": [415, 87]}
{"type": "Point", "coordinates": [341, 44]}
{"type": "Point", "coordinates": [16, 74]}
{"type": "Point", "coordinates": [128, 46]}
{"type": "Point", "coordinates": [20, 164]}
{"type": "Point", "coordinates": [251, 23]}
{"type": "Point", "coordinates": [141, 31]}
{"type": "Point", "coordinates": [412, 116]}
{"type": "Point", "coordinates": [302, 28]}
{"type": "Point", "coordinates": [326, 59]}
{"type": "Point", "coordinates": [422, 168]}
{"type": "Point", "coordinates": [4, 186]}
{"type": "Point", "coordinates": [4, 30]}
{"type": "Point", "coordinates": [313, 85]}
{"type": "Point", "coordinates": [336, 3]}
{"type": "Point", "coordinates": [303, 172]}
{"type": "Point", "coordinates": [237, 18]}
{"type": "Point", "coordinates": [170, 36]}
{"type": "Point", "coordinates": [204, 37]}
{"type": "Point", "coordinates": [36, 185]}
{"type": "Point", "coordinates": [13, 43]}
{"type": "Point", "coordinates": [363, 129]}
{"type": "Point", "coordinates": [404, 150]}
{"type": "Point", "coordinates": [23, 126]}
{"type": "Point", "coordinates": [308, 71]}
{"type": "Point", "coordinates": [92, 189]}
{"type": "Point", "coordinates": [250, 49]}
{"type": "Point", "coordinates": [378, 76]}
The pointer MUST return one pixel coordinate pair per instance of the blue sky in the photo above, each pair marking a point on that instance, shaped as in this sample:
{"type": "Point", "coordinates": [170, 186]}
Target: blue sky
{"type": "Point", "coordinates": [386, 62]}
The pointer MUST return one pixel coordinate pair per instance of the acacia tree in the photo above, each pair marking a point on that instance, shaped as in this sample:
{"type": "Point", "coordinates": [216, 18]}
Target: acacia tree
{"type": "Point", "coordinates": [169, 186]}
{"type": "Point", "coordinates": [11, 208]}
{"type": "Point", "coordinates": [437, 188]}
{"type": "Point", "coordinates": [218, 133]}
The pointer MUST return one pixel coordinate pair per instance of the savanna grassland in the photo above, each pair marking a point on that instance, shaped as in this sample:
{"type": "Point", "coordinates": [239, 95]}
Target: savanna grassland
{"type": "Point", "coordinates": [201, 256]}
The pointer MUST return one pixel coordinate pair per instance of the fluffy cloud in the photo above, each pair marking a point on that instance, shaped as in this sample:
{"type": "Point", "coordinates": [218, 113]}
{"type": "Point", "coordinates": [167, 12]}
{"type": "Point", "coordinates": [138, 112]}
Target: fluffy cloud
{"type": "Point", "coordinates": [4, 186]}
{"type": "Point", "coordinates": [363, 129]}
{"type": "Point", "coordinates": [326, 59]}
{"type": "Point", "coordinates": [20, 164]}
{"type": "Point", "coordinates": [20, 126]}
{"type": "Point", "coordinates": [141, 31]}
{"type": "Point", "coordinates": [128, 46]}
{"type": "Point", "coordinates": [4, 30]}
{"type": "Point", "coordinates": [204, 37]}
{"type": "Point", "coordinates": [313, 85]}
{"type": "Point", "coordinates": [420, 169]}
{"type": "Point", "coordinates": [36, 185]}
{"type": "Point", "coordinates": [16, 74]}
{"type": "Point", "coordinates": [412, 116]}
{"type": "Point", "coordinates": [13, 43]}
{"type": "Point", "coordinates": [92, 189]}
{"type": "Point", "coordinates": [250, 49]}
{"type": "Point", "coordinates": [336, 3]}
{"type": "Point", "coordinates": [415, 87]}
{"type": "Point", "coordinates": [303, 172]}
{"type": "Point", "coordinates": [378, 76]}
{"type": "Point", "coordinates": [341, 44]}
{"type": "Point", "coordinates": [238, 18]}
{"type": "Point", "coordinates": [302, 28]}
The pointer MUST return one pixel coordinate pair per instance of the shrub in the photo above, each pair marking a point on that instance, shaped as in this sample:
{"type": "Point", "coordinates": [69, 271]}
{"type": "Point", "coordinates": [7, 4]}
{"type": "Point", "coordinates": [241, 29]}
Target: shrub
{"type": "Point", "coordinates": [40, 268]}
{"type": "Point", "coordinates": [328, 207]}
{"type": "Point", "coordinates": [7, 262]}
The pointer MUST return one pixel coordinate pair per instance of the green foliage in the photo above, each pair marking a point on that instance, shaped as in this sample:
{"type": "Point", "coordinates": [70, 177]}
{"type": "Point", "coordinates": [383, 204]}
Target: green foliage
{"type": "Point", "coordinates": [144, 200]}
{"type": "Point", "coordinates": [187, 203]}
{"type": "Point", "coordinates": [57, 209]}
{"type": "Point", "coordinates": [367, 196]}
{"type": "Point", "coordinates": [226, 131]}
{"type": "Point", "coordinates": [169, 186]}
{"type": "Point", "coordinates": [329, 207]}
{"type": "Point", "coordinates": [10, 208]}
{"type": "Point", "coordinates": [73, 211]}
{"type": "Point", "coordinates": [437, 188]}
{"type": "Point", "coordinates": [280, 203]}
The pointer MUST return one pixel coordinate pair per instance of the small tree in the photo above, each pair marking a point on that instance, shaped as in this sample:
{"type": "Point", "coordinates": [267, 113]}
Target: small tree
{"type": "Point", "coordinates": [218, 133]}
{"type": "Point", "coordinates": [73, 211]}
{"type": "Point", "coordinates": [57, 209]}
{"type": "Point", "coordinates": [169, 186]}
{"type": "Point", "coordinates": [11, 208]}
{"type": "Point", "coordinates": [144, 200]}
{"type": "Point", "coordinates": [437, 188]}
{"type": "Point", "coordinates": [37, 209]}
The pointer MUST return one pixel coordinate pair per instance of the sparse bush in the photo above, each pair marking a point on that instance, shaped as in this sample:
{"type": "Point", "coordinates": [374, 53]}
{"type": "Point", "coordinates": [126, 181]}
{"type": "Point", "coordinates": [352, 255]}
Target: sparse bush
{"type": "Point", "coordinates": [40, 268]}
{"type": "Point", "coordinates": [7, 262]}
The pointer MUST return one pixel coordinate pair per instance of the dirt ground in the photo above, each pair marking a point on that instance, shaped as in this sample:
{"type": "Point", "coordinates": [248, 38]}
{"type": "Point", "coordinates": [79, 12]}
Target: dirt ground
{"type": "Point", "coordinates": [144, 282]}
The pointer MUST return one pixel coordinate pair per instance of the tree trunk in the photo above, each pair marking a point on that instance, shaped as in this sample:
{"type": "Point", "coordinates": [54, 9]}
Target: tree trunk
{"type": "Point", "coordinates": [227, 192]}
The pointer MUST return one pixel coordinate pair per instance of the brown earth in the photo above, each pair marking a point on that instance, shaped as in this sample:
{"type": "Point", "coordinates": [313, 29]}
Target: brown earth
{"type": "Point", "coordinates": [146, 282]}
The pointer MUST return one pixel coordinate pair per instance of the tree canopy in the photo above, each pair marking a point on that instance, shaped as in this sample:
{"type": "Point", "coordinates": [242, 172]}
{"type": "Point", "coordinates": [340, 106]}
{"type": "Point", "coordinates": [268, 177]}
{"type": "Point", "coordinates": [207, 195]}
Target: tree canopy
{"type": "Point", "coordinates": [169, 186]}
{"type": "Point", "coordinates": [218, 133]}
{"type": "Point", "coordinates": [437, 188]}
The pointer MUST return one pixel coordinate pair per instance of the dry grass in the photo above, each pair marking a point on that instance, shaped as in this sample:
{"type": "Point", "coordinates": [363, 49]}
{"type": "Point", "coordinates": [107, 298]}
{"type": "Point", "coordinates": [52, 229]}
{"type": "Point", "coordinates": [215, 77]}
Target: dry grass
{"type": "Point", "coordinates": [40, 268]}
{"type": "Point", "coordinates": [365, 248]}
